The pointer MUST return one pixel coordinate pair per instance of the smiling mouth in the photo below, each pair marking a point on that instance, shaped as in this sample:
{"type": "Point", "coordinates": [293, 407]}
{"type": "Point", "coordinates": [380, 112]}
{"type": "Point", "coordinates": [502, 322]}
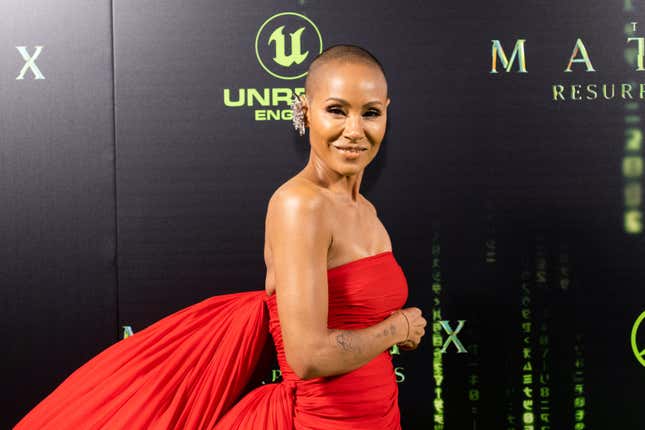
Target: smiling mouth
{"type": "Point", "coordinates": [352, 149]}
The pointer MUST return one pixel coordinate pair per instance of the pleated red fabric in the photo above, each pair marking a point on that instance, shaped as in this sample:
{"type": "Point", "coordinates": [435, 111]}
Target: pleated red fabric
{"type": "Point", "coordinates": [193, 368]}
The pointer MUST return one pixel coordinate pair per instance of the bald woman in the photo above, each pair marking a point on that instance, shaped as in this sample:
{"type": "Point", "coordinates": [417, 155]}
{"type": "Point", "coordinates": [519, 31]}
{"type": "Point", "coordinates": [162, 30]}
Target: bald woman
{"type": "Point", "coordinates": [319, 219]}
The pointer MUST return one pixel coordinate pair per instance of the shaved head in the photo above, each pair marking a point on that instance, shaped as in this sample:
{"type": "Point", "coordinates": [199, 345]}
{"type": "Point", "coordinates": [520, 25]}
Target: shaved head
{"type": "Point", "coordinates": [338, 54]}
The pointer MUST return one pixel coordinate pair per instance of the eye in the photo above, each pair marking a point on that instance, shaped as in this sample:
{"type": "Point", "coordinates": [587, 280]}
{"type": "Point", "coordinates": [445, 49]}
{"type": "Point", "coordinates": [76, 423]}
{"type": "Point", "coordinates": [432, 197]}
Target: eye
{"type": "Point", "coordinates": [335, 110]}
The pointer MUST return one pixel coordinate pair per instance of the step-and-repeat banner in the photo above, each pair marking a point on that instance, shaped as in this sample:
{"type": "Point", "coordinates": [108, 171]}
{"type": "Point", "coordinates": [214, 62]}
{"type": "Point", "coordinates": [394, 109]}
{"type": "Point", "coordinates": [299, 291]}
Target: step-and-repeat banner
{"type": "Point", "coordinates": [140, 143]}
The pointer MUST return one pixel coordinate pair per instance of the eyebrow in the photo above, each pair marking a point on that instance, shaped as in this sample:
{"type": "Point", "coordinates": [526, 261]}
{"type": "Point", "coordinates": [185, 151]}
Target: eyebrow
{"type": "Point", "coordinates": [373, 102]}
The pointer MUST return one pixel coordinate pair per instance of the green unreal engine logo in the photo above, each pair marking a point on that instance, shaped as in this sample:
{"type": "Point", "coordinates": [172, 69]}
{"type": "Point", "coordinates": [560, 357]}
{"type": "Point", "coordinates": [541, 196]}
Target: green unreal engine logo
{"type": "Point", "coordinates": [271, 45]}
{"type": "Point", "coordinates": [285, 44]}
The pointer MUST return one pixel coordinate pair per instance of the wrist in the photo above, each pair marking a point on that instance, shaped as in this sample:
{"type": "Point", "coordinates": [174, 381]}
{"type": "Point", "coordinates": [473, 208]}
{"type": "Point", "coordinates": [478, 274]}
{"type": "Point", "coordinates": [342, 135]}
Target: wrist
{"type": "Point", "coordinates": [403, 326]}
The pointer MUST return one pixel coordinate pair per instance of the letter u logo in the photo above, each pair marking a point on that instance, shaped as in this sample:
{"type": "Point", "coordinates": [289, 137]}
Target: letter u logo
{"type": "Point", "coordinates": [281, 57]}
{"type": "Point", "coordinates": [284, 42]}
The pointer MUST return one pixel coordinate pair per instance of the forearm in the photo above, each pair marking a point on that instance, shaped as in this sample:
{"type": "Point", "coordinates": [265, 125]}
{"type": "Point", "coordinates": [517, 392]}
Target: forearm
{"type": "Point", "coordinates": [345, 350]}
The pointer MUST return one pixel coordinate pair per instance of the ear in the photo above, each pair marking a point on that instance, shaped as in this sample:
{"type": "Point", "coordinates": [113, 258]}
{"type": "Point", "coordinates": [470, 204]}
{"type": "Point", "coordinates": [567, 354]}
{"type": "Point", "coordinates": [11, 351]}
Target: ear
{"type": "Point", "coordinates": [387, 103]}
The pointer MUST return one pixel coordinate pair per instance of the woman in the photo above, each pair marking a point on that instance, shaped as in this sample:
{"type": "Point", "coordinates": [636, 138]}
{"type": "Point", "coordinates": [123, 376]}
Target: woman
{"type": "Point", "coordinates": [331, 301]}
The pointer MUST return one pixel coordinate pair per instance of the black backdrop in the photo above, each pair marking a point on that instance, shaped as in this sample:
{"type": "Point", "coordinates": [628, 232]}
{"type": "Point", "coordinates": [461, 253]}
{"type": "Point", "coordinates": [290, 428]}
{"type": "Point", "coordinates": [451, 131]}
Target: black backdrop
{"type": "Point", "coordinates": [137, 157]}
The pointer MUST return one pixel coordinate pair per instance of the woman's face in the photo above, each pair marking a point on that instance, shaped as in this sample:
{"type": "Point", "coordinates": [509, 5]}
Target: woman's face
{"type": "Point", "coordinates": [346, 107]}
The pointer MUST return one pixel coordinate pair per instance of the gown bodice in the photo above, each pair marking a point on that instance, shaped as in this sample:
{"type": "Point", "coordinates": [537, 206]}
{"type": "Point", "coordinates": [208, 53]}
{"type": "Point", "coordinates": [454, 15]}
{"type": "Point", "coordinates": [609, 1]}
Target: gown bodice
{"type": "Point", "coordinates": [361, 293]}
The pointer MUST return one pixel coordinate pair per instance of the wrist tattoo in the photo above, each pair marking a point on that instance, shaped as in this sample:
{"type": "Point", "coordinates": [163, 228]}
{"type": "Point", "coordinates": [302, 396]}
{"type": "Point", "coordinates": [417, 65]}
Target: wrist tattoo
{"type": "Point", "coordinates": [385, 332]}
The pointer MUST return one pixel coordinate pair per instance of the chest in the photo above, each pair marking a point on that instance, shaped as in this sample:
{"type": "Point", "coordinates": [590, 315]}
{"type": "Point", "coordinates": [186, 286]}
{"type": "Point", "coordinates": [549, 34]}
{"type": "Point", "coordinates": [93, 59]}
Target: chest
{"type": "Point", "coordinates": [356, 234]}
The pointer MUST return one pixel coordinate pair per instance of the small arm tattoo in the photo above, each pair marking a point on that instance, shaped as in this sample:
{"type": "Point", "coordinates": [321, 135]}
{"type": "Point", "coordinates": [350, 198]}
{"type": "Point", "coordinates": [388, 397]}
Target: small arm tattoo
{"type": "Point", "coordinates": [346, 342]}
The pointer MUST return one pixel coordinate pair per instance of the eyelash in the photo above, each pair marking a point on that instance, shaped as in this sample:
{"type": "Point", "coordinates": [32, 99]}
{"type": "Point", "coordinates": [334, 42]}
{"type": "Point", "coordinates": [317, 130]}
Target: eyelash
{"type": "Point", "coordinates": [337, 111]}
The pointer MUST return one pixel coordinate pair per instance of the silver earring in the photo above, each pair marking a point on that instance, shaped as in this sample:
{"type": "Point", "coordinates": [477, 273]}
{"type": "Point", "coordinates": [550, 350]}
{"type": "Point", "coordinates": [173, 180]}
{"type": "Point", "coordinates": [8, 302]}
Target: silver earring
{"type": "Point", "coordinates": [298, 115]}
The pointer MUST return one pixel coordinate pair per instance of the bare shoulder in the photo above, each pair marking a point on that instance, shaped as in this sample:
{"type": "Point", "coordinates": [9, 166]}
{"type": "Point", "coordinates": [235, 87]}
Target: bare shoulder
{"type": "Point", "coordinates": [297, 193]}
{"type": "Point", "coordinates": [297, 205]}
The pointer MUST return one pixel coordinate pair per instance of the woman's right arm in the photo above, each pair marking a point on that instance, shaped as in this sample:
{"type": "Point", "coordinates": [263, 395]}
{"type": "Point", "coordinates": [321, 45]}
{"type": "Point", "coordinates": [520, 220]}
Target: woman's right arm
{"type": "Point", "coordinates": [298, 222]}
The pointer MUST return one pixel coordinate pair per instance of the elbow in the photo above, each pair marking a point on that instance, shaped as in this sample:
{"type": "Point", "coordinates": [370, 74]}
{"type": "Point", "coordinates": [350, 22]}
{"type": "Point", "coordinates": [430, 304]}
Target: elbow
{"type": "Point", "coordinates": [302, 368]}
{"type": "Point", "coordinates": [303, 365]}
{"type": "Point", "coordinates": [305, 372]}
{"type": "Point", "coordinates": [300, 371]}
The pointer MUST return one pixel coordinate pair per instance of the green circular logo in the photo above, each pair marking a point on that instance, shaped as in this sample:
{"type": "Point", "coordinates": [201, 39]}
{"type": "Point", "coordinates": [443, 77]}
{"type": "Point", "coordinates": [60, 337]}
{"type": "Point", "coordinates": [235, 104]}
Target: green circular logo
{"type": "Point", "coordinates": [285, 42]}
{"type": "Point", "coordinates": [640, 355]}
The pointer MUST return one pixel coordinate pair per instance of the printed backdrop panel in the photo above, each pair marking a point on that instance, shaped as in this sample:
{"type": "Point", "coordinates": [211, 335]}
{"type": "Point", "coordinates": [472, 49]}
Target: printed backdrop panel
{"type": "Point", "coordinates": [57, 219]}
{"type": "Point", "coordinates": [510, 182]}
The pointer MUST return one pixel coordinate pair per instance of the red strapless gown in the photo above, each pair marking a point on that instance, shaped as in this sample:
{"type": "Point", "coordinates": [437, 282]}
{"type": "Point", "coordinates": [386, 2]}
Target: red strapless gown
{"type": "Point", "coordinates": [190, 369]}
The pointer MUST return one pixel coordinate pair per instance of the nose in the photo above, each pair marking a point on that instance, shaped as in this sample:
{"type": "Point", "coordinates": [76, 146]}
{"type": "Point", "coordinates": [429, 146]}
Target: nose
{"type": "Point", "coordinates": [354, 128]}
